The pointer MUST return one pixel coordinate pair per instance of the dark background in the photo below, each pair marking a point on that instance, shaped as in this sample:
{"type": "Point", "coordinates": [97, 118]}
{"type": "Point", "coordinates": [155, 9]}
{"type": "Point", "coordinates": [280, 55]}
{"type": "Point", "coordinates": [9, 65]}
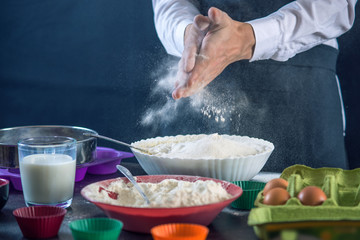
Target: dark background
{"type": "Point", "coordinates": [93, 64]}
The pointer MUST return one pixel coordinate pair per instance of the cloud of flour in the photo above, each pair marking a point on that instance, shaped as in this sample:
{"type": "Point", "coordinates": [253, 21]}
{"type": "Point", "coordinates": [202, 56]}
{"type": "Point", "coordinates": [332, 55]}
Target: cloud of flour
{"type": "Point", "coordinates": [161, 102]}
{"type": "Point", "coordinates": [217, 103]}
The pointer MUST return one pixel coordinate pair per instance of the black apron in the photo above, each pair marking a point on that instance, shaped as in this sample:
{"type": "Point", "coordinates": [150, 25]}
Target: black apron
{"type": "Point", "coordinates": [293, 104]}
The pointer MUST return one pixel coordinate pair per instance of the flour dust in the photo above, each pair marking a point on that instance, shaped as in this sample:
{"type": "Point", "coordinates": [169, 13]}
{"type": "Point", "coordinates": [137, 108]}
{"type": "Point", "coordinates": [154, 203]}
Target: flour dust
{"type": "Point", "coordinates": [216, 103]}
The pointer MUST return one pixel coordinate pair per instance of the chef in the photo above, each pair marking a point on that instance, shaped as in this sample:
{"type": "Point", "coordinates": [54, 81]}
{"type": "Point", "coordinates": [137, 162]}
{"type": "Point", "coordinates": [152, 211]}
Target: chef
{"type": "Point", "coordinates": [274, 63]}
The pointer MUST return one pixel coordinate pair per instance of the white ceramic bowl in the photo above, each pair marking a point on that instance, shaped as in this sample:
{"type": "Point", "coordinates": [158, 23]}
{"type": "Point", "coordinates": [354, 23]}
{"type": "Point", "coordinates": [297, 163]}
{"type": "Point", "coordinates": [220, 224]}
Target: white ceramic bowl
{"type": "Point", "coordinates": [231, 168]}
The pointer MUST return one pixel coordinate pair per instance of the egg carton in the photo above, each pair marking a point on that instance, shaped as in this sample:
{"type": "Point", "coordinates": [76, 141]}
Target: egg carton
{"type": "Point", "coordinates": [340, 209]}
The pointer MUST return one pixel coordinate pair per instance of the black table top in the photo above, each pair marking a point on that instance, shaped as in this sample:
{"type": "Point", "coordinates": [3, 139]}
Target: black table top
{"type": "Point", "coordinates": [229, 224]}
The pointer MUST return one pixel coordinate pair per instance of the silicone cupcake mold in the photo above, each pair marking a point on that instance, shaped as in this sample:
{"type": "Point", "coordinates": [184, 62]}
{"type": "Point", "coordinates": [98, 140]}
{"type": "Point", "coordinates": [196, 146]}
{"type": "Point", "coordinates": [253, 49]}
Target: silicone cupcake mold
{"type": "Point", "coordinates": [96, 228]}
{"type": "Point", "coordinates": [250, 192]}
{"type": "Point", "coordinates": [180, 231]}
{"type": "Point", "coordinates": [39, 221]}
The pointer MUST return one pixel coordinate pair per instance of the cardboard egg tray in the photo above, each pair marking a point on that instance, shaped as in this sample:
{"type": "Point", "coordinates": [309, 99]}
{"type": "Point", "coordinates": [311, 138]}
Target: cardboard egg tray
{"type": "Point", "coordinates": [337, 218]}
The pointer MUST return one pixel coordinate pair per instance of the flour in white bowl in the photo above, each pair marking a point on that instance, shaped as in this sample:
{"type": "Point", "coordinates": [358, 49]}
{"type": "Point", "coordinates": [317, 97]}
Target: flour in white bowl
{"type": "Point", "coordinates": [212, 146]}
{"type": "Point", "coordinates": [169, 193]}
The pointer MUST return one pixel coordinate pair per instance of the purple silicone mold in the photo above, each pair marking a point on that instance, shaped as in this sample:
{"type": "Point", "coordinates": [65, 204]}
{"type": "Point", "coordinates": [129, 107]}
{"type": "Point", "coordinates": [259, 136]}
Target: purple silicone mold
{"type": "Point", "coordinates": [104, 163]}
{"type": "Point", "coordinates": [13, 176]}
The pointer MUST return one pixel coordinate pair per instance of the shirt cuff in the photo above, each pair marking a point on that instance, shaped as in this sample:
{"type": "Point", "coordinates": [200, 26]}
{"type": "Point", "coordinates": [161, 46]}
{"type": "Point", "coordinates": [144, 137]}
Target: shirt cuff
{"type": "Point", "coordinates": [267, 36]}
{"type": "Point", "coordinates": [179, 35]}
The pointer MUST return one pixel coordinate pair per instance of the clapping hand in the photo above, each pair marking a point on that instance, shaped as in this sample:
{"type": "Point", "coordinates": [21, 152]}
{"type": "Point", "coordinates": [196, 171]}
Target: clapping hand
{"type": "Point", "coordinates": [211, 43]}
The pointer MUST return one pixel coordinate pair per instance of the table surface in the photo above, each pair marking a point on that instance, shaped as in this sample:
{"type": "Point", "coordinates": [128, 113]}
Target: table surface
{"type": "Point", "coordinates": [229, 224]}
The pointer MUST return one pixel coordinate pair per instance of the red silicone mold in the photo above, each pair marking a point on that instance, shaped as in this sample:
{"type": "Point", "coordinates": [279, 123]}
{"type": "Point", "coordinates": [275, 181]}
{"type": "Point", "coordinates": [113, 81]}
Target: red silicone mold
{"type": "Point", "coordinates": [39, 221]}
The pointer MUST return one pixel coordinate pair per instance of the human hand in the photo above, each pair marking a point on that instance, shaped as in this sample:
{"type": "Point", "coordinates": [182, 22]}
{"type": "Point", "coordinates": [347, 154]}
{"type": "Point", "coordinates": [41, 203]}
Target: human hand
{"type": "Point", "coordinates": [210, 45]}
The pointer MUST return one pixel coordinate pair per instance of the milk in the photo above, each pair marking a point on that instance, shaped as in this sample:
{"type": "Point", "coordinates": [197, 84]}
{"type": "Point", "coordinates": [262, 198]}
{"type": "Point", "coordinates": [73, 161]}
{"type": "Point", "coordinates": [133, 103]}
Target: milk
{"type": "Point", "coordinates": [47, 178]}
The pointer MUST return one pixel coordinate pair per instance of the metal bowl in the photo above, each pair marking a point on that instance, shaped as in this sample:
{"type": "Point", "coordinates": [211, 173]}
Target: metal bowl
{"type": "Point", "coordinates": [9, 137]}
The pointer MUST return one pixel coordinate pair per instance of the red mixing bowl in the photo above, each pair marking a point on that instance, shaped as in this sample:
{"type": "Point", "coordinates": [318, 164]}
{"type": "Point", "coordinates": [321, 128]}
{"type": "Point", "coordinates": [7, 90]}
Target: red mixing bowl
{"type": "Point", "coordinates": [143, 219]}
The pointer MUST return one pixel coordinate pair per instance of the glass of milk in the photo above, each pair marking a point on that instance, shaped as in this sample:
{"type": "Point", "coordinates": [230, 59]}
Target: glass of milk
{"type": "Point", "coordinates": [47, 170]}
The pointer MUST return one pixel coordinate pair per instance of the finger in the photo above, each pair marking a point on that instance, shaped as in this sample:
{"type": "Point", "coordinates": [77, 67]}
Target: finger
{"type": "Point", "coordinates": [193, 85]}
{"type": "Point", "coordinates": [192, 35]}
{"type": "Point", "coordinates": [201, 22]}
{"type": "Point", "coordinates": [184, 86]}
{"type": "Point", "coordinates": [189, 57]}
{"type": "Point", "coordinates": [176, 84]}
{"type": "Point", "coordinates": [179, 77]}
{"type": "Point", "coordinates": [180, 66]}
{"type": "Point", "coordinates": [199, 77]}
{"type": "Point", "coordinates": [177, 93]}
{"type": "Point", "coordinates": [216, 15]}
{"type": "Point", "coordinates": [181, 80]}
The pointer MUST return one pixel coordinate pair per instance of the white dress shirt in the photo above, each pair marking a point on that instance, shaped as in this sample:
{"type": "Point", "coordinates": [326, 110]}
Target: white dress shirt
{"type": "Point", "coordinates": [294, 28]}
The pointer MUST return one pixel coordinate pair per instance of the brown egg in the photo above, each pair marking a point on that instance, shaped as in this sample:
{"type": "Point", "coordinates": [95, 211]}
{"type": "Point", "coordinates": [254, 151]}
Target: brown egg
{"type": "Point", "coordinates": [312, 196]}
{"type": "Point", "coordinates": [276, 196]}
{"type": "Point", "coordinates": [274, 183]}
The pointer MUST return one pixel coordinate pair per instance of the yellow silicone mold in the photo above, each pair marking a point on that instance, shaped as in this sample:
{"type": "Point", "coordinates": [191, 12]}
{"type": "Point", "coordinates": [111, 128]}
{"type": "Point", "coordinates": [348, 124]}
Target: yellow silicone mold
{"type": "Point", "coordinates": [342, 188]}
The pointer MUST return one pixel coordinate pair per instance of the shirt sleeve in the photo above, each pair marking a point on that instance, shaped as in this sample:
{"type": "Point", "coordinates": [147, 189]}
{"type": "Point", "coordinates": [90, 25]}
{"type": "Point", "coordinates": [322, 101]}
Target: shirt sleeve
{"type": "Point", "coordinates": [171, 18]}
{"type": "Point", "coordinates": [299, 26]}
